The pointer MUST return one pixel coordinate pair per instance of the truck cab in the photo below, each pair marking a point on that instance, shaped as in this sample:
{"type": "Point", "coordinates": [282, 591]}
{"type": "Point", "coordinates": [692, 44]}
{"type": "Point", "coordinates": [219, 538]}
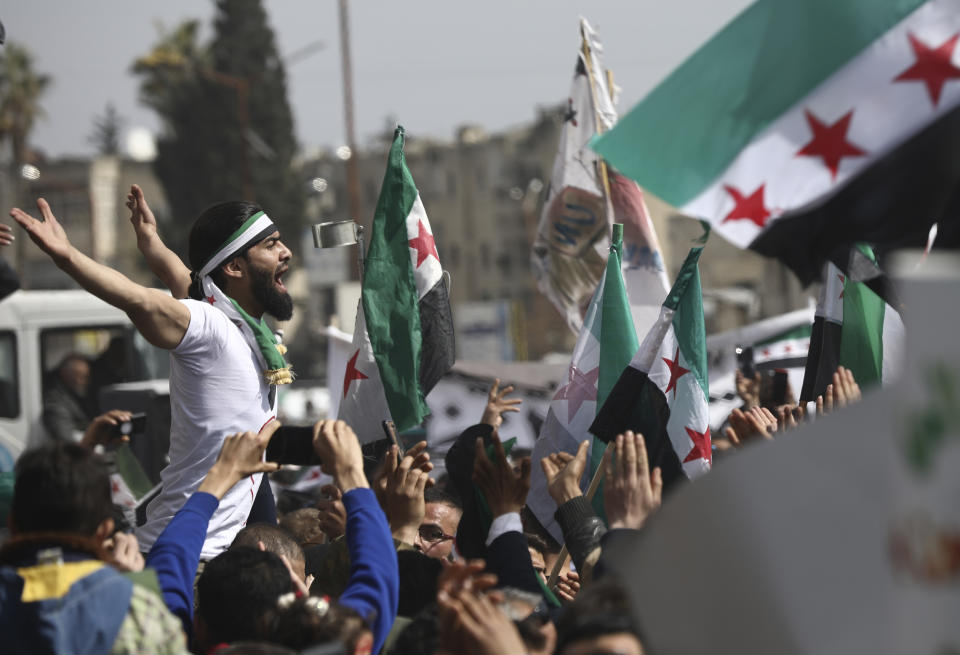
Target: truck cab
{"type": "Point", "coordinates": [37, 330]}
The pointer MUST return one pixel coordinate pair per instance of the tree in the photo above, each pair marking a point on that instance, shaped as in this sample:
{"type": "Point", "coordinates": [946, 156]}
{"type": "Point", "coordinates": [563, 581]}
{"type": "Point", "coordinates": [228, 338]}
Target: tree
{"type": "Point", "coordinates": [106, 131]}
{"type": "Point", "coordinates": [228, 129]}
{"type": "Point", "coordinates": [21, 87]}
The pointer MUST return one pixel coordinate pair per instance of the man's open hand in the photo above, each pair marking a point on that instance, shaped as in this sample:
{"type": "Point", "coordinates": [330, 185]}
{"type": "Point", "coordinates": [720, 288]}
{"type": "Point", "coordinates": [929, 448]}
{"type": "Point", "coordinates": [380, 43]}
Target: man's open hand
{"type": "Point", "coordinates": [563, 472]}
{"type": "Point", "coordinates": [241, 455]}
{"type": "Point", "coordinates": [48, 233]}
{"type": "Point", "coordinates": [6, 235]}
{"type": "Point", "coordinates": [505, 489]}
{"type": "Point", "coordinates": [631, 493]}
{"type": "Point", "coordinates": [141, 217]}
{"type": "Point", "coordinates": [498, 404]}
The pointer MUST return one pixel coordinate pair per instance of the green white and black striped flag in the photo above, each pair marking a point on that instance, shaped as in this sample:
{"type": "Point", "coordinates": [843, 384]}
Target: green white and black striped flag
{"type": "Point", "coordinates": [663, 392]}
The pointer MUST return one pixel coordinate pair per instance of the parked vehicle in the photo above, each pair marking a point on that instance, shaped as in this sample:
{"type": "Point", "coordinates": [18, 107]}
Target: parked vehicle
{"type": "Point", "coordinates": [37, 330]}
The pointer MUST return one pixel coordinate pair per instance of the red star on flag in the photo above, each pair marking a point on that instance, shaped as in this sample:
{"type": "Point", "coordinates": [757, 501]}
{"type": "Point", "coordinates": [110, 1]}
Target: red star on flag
{"type": "Point", "coordinates": [701, 446]}
{"type": "Point", "coordinates": [750, 207]}
{"type": "Point", "coordinates": [766, 352]}
{"type": "Point", "coordinates": [676, 372]}
{"type": "Point", "coordinates": [114, 487]}
{"type": "Point", "coordinates": [830, 141]}
{"type": "Point", "coordinates": [787, 348]}
{"type": "Point", "coordinates": [843, 281]}
{"type": "Point", "coordinates": [352, 373]}
{"type": "Point", "coordinates": [932, 67]}
{"type": "Point", "coordinates": [581, 388]}
{"type": "Point", "coordinates": [211, 299]}
{"type": "Point", "coordinates": [424, 244]}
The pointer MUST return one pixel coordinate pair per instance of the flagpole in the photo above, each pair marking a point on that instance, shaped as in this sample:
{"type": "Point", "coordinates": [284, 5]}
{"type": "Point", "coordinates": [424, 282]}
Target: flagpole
{"type": "Point", "coordinates": [588, 57]}
{"type": "Point", "coordinates": [564, 556]}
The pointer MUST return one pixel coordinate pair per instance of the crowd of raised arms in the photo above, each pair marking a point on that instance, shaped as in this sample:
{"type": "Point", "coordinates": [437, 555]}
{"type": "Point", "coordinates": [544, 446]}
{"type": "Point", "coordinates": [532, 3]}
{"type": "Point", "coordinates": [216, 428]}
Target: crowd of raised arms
{"type": "Point", "coordinates": [391, 558]}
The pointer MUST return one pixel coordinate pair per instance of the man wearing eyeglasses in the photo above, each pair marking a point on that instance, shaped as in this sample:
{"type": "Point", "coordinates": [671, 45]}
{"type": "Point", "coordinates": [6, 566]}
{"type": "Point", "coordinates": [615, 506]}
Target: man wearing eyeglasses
{"type": "Point", "coordinates": [437, 531]}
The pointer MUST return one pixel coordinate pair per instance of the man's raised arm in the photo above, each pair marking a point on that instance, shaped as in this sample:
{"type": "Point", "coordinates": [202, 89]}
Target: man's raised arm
{"type": "Point", "coordinates": [162, 320]}
{"type": "Point", "coordinates": [162, 261]}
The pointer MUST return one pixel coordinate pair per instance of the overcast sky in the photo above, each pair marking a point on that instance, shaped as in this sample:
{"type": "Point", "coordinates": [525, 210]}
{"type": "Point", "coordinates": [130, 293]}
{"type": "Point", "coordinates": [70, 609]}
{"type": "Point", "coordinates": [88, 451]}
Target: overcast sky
{"type": "Point", "coordinates": [433, 65]}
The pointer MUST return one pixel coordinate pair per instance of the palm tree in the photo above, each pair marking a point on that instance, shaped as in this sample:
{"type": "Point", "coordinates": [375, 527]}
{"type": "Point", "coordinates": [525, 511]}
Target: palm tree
{"type": "Point", "coordinates": [20, 89]}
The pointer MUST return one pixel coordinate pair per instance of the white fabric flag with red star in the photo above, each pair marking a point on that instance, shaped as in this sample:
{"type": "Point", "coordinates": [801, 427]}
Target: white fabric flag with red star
{"type": "Point", "coordinates": [607, 342]}
{"type": "Point", "coordinates": [403, 340]}
{"type": "Point", "coordinates": [584, 199]}
{"type": "Point", "coordinates": [663, 393]}
{"type": "Point", "coordinates": [805, 127]}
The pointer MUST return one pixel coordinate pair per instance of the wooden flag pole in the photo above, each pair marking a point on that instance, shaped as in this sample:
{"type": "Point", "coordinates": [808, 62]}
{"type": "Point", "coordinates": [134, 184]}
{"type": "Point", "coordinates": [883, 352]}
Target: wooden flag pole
{"type": "Point", "coordinates": [564, 556]}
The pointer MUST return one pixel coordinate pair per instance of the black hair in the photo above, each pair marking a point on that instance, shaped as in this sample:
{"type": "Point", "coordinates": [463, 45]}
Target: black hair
{"type": "Point", "coordinates": [437, 495]}
{"type": "Point", "coordinates": [418, 581]}
{"type": "Point", "coordinates": [60, 487]}
{"type": "Point", "coordinates": [275, 539]}
{"type": "Point", "coordinates": [303, 624]}
{"type": "Point", "coordinates": [421, 636]}
{"type": "Point", "coordinates": [210, 230]}
{"type": "Point", "coordinates": [601, 608]}
{"type": "Point", "coordinates": [236, 590]}
{"type": "Point", "coordinates": [537, 542]}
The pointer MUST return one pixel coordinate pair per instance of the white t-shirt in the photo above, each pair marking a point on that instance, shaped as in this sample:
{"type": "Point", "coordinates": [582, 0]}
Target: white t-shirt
{"type": "Point", "coordinates": [216, 389]}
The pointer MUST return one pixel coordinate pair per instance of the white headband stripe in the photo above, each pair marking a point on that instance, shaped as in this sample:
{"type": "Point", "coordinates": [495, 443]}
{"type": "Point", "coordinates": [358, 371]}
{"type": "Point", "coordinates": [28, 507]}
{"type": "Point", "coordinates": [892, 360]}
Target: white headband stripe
{"type": "Point", "coordinates": [259, 225]}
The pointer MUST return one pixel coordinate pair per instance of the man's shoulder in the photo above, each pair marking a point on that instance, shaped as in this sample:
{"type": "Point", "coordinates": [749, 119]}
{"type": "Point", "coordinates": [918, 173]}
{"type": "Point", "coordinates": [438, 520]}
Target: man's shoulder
{"type": "Point", "coordinates": [207, 324]}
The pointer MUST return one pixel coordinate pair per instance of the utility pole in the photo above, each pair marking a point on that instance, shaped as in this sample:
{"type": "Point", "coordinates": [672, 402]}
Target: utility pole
{"type": "Point", "coordinates": [353, 178]}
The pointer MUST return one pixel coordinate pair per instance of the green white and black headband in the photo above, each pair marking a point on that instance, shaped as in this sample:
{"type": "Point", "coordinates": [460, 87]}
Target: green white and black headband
{"type": "Point", "coordinates": [255, 229]}
{"type": "Point", "coordinates": [256, 332]}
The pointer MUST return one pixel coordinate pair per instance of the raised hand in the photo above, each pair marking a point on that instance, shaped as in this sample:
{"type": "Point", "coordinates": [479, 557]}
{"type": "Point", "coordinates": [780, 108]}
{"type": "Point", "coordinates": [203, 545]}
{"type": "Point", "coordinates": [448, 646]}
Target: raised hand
{"type": "Point", "coordinates": [757, 423]}
{"type": "Point", "coordinates": [101, 429]}
{"type": "Point", "coordinates": [241, 455]}
{"type": "Point", "coordinates": [498, 404]}
{"type": "Point", "coordinates": [563, 472]}
{"type": "Point", "coordinates": [631, 492]}
{"type": "Point", "coordinates": [141, 217]}
{"type": "Point", "coordinates": [403, 495]}
{"type": "Point", "coordinates": [46, 233]}
{"type": "Point", "coordinates": [472, 624]}
{"type": "Point", "coordinates": [505, 489]}
{"type": "Point", "coordinates": [748, 388]}
{"type": "Point", "coordinates": [6, 235]}
{"type": "Point", "coordinates": [333, 515]}
{"type": "Point", "coordinates": [421, 461]}
{"type": "Point", "coordinates": [338, 448]}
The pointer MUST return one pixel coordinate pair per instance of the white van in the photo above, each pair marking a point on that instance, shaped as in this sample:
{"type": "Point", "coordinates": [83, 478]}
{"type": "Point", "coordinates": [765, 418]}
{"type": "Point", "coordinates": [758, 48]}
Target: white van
{"type": "Point", "coordinates": [37, 329]}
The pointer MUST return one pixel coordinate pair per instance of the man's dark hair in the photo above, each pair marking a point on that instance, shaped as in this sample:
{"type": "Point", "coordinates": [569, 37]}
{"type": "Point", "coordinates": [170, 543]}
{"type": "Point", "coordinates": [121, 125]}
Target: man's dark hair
{"type": "Point", "coordinates": [418, 581]}
{"type": "Point", "coordinates": [601, 608]}
{"type": "Point", "coordinates": [421, 636]}
{"type": "Point", "coordinates": [237, 589]}
{"type": "Point", "coordinates": [275, 539]}
{"type": "Point", "coordinates": [437, 495]}
{"type": "Point", "coordinates": [537, 542]}
{"type": "Point", "coordinates": [212, 228]}
{"type": "Point", "coordinates": [60, 487]}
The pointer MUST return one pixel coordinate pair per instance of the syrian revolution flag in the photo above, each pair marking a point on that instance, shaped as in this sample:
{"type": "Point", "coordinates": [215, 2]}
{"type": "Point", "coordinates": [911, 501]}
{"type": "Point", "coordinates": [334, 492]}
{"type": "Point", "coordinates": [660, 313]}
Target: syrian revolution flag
{"type": "Point", "coordinates": [804, 127]}
{"type": "Point", "coordinates": [606, 343]}
{"type": "Point", "coordinates": [403, 340]}
{"type": "Point", "coordinates": [853, 327]}
{"type": "Point", "coordinates": [663, 392]}
{"type": "Point", "coordinates": [585, 198]}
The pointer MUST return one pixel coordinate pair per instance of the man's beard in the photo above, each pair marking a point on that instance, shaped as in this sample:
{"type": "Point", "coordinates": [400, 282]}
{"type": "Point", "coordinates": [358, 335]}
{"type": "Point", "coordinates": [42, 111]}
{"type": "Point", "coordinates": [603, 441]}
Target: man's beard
{"type": "Point", "coordinates": [276, 303]}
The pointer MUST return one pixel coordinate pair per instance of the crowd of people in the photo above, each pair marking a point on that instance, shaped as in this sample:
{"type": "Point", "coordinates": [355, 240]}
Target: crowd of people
{"type": "Point", "coordinates": [389, 559]}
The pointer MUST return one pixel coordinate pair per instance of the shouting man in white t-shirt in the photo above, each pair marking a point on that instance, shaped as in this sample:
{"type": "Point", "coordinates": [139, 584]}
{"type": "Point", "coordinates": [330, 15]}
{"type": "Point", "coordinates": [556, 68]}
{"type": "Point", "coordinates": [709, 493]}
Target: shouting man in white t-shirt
{"type": "Point", "coordinates": [224, 358]}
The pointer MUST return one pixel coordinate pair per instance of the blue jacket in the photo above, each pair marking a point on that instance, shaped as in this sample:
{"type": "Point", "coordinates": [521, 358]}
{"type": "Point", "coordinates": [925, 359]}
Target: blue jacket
{"type": "Point", "coordinates": [374, 586]}
{"type": "Point", "coordinates": [76, 605]}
